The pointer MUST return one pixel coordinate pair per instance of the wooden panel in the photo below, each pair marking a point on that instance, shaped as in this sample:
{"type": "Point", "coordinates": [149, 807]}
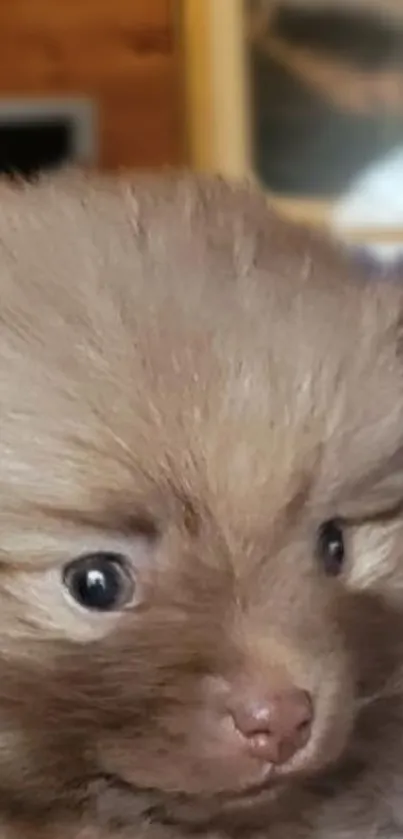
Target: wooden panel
{"type": "Point", "coordinates": [122, 52]}
{"type": "Point", "coordinates": [49, 15]}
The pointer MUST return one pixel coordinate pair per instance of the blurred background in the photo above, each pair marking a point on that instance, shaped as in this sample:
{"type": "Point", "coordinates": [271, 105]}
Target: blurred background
{"type": "Point", "coordinates": [304, 95]}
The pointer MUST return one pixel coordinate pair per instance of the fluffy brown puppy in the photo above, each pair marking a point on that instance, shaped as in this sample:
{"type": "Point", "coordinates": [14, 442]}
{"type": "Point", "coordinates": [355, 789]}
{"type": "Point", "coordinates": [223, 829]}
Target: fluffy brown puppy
{"type": "Point", "coordinates": [201, 476]}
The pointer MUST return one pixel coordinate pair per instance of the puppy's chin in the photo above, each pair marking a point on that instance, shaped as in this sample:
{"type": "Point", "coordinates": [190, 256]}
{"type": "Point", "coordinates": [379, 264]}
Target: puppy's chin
{"type": "Point", "coordinates": [118, 800]}
{"type": "Point", "coordinates": [201, 791]}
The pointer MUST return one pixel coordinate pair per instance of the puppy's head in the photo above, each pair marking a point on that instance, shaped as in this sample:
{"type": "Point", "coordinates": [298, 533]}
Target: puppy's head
{"type": "Point", "coordinates": [200, 445]}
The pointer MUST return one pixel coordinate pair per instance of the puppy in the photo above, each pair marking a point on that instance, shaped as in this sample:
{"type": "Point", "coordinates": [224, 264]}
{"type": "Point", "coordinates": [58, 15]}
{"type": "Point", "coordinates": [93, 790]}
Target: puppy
{"type": "Point", "coordinates": [201, 480]}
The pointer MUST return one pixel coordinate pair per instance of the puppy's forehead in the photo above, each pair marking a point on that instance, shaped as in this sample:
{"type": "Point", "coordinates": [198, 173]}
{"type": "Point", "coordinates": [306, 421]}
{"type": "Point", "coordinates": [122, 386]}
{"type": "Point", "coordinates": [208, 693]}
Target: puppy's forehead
{"type": "Point", "coordinates": [173, 331]}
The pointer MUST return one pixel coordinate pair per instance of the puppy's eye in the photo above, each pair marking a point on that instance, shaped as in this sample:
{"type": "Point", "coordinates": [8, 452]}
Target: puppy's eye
{"type": "Point", "coordinates": [100, 582]}
{"type": "Point", "coordinates": [330, 547]}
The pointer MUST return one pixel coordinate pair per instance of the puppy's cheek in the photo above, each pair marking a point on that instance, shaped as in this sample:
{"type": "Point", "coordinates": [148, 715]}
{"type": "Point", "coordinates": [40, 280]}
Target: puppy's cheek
{"type": "Point", "coordinates": [375, 559]}
{"type": "Point", "coordinates": [334, 718]}
{"type": "Point", "coordinates": [36, 604]}
{"type": "Point", "coordinates": [16, 754]}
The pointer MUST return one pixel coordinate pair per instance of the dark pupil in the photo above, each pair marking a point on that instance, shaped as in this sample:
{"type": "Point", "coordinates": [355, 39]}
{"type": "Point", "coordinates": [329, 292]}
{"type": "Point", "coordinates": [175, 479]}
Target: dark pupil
{"type": "Point", "coordinates": [96, 581]}
{"type": "Point", "coordinates": [331, 547]}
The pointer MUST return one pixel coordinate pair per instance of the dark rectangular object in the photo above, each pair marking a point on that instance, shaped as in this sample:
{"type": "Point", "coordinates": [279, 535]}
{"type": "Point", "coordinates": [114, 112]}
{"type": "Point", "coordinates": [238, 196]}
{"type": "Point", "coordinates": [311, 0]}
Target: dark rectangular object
{"type": "Point", "coordinates": [27, 146]}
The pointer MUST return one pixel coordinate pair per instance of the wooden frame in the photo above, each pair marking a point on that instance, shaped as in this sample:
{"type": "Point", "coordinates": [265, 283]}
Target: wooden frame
{"type": "Point", "coordinates": [216, 90]}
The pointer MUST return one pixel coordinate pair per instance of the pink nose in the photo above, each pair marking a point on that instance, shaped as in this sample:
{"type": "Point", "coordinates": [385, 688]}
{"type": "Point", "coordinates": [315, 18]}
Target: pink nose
{"type": "Point", "coordinates": [274, 727]}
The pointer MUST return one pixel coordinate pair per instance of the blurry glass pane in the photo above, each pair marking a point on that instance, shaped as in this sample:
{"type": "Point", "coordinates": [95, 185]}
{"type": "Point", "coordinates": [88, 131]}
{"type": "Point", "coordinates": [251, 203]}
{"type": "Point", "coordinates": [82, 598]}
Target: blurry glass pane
{"type": "Point", "coordinates": [326, 83]}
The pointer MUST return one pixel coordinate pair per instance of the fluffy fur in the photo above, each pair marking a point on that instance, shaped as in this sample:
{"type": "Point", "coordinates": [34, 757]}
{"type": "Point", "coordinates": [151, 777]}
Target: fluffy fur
{"type": "Point", "coordinates": [194, 383]}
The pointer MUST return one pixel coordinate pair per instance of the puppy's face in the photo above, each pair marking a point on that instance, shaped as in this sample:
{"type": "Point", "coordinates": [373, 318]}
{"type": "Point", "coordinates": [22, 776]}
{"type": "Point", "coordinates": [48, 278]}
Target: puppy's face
{"type": "Point", "coordinates": [199, 488]}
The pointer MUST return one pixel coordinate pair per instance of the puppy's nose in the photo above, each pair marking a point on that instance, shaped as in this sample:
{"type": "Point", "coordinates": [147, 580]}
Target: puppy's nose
{"type": "Point", "coordinates": [274, 727]}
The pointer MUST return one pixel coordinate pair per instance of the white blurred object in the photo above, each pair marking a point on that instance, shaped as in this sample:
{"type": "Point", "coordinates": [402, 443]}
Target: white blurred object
{"type": "Point", "coordinates": [375, 199]}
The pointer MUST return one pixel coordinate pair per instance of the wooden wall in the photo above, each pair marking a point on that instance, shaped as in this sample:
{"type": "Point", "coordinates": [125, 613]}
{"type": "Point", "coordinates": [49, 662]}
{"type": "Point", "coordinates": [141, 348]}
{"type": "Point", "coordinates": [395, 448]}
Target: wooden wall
{"type": "Point", "coordinates": [122, 52]}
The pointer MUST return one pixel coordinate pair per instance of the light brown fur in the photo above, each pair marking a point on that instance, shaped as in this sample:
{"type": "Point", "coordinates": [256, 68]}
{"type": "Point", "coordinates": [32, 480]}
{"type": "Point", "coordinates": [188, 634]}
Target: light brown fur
{"type": "Point", "coordinates": [189, 380]}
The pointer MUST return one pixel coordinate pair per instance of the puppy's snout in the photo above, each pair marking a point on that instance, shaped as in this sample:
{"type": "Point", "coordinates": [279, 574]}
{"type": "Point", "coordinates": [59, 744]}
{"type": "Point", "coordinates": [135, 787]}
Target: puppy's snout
{"type": "Point", "coordinates": [274, 726]}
